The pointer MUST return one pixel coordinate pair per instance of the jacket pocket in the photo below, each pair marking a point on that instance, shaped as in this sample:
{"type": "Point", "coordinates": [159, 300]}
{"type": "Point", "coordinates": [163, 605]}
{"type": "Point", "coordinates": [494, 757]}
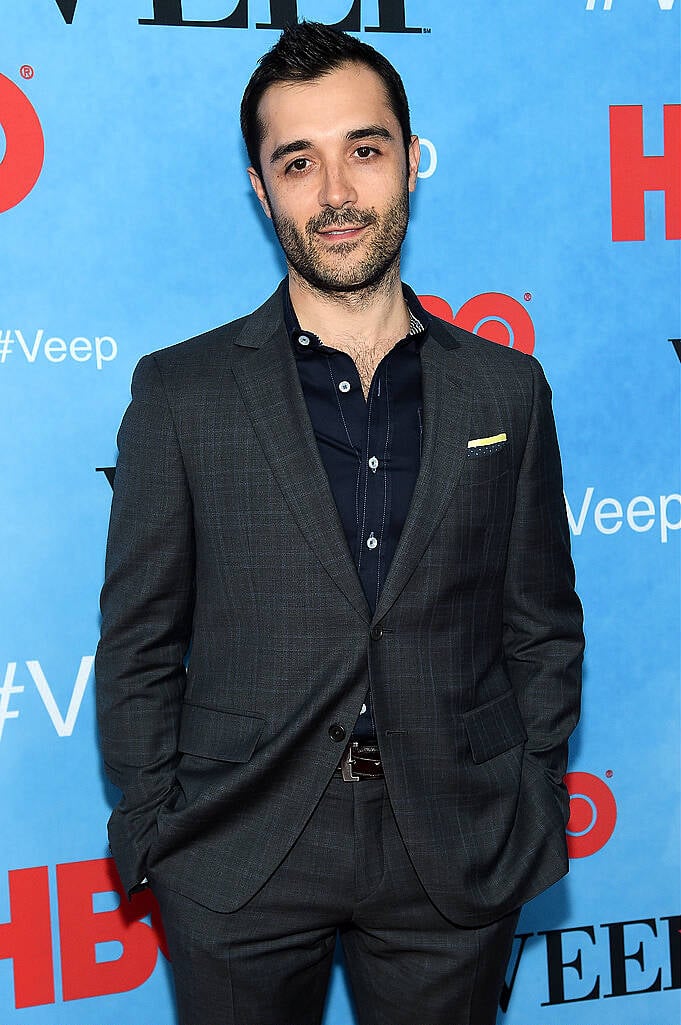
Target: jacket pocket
{"type": "Point", "coordinates": [486, 464]}
{"type": "Point", "coordinates": [494, 727]}
{"type": "Point", "coordinates": [219, 734]}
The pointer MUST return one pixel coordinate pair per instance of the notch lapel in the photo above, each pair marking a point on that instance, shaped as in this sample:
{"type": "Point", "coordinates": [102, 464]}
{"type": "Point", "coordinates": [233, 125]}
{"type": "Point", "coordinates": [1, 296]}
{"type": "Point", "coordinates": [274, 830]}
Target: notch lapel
{"type": "Point", "coordinates": [447, 407]}
{"type": "Point", "coordinates": [267, 377]}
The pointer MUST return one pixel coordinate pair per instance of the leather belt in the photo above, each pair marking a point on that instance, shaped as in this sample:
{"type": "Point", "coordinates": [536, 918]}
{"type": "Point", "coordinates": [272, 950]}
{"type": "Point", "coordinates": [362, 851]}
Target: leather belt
{"type": "Point", "coordinates": [361, 759]}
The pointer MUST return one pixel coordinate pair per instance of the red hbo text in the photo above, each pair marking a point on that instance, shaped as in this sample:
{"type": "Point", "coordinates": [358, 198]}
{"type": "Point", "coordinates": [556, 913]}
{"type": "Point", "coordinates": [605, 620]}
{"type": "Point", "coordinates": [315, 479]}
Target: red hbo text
{"type": "Point", "coordinates": [632, 173]}
{"type": "Point", "coordinates": [24, 145]}
{"type": "Point", "coordinates": [27, 937]}
{"type": "Point", "coordinates": [593, 814]}
{"type": "Point", "coordinates": [493, 315]}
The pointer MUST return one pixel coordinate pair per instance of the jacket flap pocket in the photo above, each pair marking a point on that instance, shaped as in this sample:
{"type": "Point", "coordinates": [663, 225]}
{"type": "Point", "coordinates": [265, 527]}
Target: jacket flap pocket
{"type": "Point", "coordinates": [215, 733]}
{"type": "Point", "coordinates": [494, 727]}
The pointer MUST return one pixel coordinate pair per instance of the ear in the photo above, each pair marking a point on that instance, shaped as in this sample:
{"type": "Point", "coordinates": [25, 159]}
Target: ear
{"type": "Point", "coordinates": [414, 157]}
{"type": "Point", "coordinates": [259, 189]}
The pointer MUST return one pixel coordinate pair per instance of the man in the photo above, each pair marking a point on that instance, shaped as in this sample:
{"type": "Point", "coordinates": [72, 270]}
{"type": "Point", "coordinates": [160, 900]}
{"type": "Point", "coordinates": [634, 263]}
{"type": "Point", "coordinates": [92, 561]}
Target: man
{"type": "Point", "coordinates": [353, 514]}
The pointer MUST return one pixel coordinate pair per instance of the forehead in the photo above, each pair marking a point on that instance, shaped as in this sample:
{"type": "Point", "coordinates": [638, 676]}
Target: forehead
{"type": "Point", "coordinates": [346, 98]}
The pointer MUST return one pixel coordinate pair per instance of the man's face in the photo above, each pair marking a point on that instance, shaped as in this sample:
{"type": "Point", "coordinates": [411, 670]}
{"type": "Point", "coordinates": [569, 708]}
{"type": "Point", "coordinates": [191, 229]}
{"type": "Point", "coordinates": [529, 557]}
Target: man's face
{"type": "Point", "coordinates": [334, 177]}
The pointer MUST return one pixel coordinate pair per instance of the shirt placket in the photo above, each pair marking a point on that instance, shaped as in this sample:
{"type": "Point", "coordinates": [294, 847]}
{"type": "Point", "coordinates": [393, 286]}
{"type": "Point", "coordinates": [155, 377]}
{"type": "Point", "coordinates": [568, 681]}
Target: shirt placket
{"type": "Point", "coordinates": [374, 461]}
{"type": "Point", "coordinates": [357, 415]}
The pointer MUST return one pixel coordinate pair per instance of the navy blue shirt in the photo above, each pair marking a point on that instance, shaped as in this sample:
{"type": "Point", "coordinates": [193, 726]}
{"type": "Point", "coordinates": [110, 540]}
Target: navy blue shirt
{"type": "Point", "coordinates": [370, 448]}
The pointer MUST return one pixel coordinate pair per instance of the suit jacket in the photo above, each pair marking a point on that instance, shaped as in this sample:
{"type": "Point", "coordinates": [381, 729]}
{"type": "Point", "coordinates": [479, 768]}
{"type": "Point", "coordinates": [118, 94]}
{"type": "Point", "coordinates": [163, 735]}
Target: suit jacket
{"type": "Point", "coordinates": [225, 537]}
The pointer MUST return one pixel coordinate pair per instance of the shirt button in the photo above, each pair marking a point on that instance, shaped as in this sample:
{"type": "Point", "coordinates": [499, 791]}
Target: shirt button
{"type": "Point", "coordinates": [373, 463]}
{"type": "Point", "coordinates": [304, 340]}
{"type": "Point", "coordinates": [337, 732]}
{"type": "Point", "coordinates": [376, 633]}
{"type": "Point", "coordinates": [344, 386]}
{"type": "Point", "coordinates": [371, 540]}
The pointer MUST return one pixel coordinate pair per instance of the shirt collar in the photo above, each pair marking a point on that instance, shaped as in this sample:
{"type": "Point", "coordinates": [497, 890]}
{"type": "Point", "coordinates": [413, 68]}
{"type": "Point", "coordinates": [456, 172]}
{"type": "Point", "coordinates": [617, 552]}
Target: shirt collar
{"type": "Point", "coordinates": [419, 322]}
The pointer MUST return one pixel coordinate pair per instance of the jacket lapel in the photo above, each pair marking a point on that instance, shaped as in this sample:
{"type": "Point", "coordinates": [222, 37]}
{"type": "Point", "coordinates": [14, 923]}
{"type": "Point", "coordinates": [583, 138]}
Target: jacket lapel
{"type": "Point", "coordinates": [268, 380]}
{"type": "Point", "coordinates": [265, 370]}
{"type": "Point", "coordinates": [447, 406]}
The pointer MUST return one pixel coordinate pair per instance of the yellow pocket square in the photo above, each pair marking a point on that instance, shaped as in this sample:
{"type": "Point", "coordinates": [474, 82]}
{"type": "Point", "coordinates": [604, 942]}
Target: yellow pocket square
{"type": "Point", "coordinates": [481, 442]}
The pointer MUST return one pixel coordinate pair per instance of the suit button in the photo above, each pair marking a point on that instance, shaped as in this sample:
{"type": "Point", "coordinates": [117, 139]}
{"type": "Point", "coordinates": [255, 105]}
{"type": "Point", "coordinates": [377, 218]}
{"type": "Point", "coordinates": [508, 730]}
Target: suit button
{"type": "Point", "coordinates": [337, 732]}
{"type": "Point", "coordinates": [376, 633]}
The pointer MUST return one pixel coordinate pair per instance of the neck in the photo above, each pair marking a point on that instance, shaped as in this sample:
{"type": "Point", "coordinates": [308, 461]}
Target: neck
{"type": "Point", "coordinates": [366, 320]}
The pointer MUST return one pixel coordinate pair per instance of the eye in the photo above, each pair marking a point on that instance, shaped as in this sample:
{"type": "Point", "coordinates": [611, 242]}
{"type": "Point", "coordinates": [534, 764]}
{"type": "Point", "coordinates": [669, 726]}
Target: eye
{"type": "Point", "coordinates": [298, 165]}
{"type": "Point", "coordinates": [365, 151]}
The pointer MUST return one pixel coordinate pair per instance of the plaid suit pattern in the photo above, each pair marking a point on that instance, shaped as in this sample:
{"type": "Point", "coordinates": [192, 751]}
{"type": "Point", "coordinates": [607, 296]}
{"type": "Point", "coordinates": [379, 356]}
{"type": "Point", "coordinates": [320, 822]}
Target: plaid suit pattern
{"type": "Point", "coordinates": [224, 534]}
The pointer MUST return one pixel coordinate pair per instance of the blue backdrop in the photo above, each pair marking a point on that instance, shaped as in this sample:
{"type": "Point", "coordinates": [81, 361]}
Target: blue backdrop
{"type": "Point", "coordinates": [548, 216]}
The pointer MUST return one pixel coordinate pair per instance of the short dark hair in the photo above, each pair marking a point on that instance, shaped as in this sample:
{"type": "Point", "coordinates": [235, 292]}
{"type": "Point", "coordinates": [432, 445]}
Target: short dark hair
{"type": "Point", "coordinates": [307, 51]}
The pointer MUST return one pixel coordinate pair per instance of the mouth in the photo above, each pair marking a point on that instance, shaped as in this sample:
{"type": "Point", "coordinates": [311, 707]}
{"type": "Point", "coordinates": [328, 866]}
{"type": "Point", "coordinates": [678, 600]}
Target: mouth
{"type": "Point", "coordinates": [342, 234]}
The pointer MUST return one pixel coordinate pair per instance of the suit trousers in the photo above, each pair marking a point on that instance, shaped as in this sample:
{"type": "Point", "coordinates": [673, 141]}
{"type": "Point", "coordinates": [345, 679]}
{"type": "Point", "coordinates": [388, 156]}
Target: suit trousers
{"type": "Point", "coordinates": [268, 963]}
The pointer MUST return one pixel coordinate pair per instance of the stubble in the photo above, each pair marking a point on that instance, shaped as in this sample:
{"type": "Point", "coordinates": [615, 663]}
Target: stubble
{"type": "Point", "coordinates": [339, 270]}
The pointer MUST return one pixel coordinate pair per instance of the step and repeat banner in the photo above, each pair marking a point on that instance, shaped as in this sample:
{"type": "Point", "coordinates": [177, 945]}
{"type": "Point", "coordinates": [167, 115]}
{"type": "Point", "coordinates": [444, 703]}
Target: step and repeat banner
{"type": "Point", "coordinates": [547, 217]}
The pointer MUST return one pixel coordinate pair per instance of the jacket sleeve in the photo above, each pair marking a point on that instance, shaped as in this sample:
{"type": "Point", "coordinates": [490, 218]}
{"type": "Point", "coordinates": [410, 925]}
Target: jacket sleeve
{"type": "Point", "coordinates": [147, 605]}
{"type": "Point", "coordinates": [543, 637]}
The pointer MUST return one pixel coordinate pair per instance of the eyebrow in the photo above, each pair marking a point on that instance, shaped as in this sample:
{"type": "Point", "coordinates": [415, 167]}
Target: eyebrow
{"type": "Point", "coordinates": [369, 132]}
{"type": "Point", "coordinates": [289, 147]}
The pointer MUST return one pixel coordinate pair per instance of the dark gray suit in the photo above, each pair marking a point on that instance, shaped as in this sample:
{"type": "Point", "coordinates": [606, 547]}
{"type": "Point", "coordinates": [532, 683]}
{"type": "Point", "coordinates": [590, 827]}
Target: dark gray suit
{"type": "Point", "coordinates": [224, 533]}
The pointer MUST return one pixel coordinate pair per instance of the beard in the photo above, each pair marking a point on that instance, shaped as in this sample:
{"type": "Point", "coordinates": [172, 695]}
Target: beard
{"type": "Point", "coordinates": [338, 269]}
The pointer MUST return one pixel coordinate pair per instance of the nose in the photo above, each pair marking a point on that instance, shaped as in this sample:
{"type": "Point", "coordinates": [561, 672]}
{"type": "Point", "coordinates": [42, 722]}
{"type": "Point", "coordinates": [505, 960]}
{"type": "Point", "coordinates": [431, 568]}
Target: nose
{"type": "Point", "coordinates": [336, 189]}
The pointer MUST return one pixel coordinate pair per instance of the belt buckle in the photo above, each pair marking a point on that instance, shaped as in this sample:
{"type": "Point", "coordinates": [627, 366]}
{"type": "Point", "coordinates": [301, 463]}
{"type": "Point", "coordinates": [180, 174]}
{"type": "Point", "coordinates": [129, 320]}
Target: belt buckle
{"type": "Point", "coordinates": [346, 765]}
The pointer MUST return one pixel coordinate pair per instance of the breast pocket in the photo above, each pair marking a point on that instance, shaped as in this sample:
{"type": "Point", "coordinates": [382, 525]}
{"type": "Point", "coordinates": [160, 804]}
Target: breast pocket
{"type": "Point", "coordinates": [486, 463]}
